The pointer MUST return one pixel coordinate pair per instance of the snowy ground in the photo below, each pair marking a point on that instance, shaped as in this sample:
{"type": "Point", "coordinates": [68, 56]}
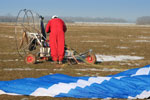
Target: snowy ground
{"type": "Point", "coordinates": [45, 69]}
{"type": "Point", "coordinates": [104, 58]}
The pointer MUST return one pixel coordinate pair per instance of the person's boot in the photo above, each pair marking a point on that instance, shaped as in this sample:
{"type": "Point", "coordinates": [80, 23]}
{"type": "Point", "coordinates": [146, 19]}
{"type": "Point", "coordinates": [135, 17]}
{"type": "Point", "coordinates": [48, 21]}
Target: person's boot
{"type": "Point", "coordinates": [60, 63]}
{"type": "Point", "coordinates": [54, 62]}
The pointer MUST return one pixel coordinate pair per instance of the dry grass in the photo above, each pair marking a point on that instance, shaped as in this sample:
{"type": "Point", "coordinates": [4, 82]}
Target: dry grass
{"type": "Point", "coordinates": [105, 40]}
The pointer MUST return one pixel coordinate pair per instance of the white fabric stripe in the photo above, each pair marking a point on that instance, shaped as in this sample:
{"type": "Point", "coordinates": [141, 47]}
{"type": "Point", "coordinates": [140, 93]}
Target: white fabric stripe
{"type": "Point", "coordinates": [142, 71]}
{"type": "Point", "coordinates": [66, 87]}
{"type": "Point", "coordinates": [143, 95]}
{"type": "Point", "coordinates": [2, 92]}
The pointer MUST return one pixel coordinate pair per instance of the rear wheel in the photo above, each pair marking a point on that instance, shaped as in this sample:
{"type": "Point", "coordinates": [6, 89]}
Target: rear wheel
{"type": "Point", "coordinates": [30, 59]}
{"type": "Point", "coordinates": [91, 59]}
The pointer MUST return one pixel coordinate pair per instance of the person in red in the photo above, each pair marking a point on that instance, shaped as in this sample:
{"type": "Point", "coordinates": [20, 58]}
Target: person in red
{"type": "Point", "coordinates": [57, 28]}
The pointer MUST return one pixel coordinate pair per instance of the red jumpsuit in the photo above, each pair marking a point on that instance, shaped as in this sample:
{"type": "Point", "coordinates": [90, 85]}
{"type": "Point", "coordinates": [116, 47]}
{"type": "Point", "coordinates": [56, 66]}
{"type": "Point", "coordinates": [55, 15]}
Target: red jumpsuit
{"type": "Point", "coordinates": [57, 29]}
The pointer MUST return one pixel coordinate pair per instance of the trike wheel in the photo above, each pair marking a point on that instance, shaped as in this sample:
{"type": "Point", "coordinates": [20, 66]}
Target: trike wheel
{"type": "Point", "coordinates": [30, 59]}
{"type": "Point", "coordinates": [91, 59]}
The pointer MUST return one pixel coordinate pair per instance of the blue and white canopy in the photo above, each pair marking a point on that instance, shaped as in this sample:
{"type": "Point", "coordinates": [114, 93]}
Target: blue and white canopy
{"type": "Point", "coordinates": [133, 83]}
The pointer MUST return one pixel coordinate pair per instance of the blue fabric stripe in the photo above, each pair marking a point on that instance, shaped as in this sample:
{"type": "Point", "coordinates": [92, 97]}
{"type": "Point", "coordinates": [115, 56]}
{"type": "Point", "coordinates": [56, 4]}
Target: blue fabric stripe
{"type": "Point", "coordinates": [127, 85]}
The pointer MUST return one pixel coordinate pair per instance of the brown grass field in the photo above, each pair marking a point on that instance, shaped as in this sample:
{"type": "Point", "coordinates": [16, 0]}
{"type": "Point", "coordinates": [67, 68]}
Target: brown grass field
{"type": "Point", "coordinates": [106, 40]}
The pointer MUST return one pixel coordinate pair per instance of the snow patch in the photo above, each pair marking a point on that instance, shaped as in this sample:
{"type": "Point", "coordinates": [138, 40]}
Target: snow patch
{"type": "Point", "coordinates": [8, 53]}
{"type": "Point", "coordinates": [7, 36]}
{"type": "Point", "coordinates": [91, 41]}
{"type": "Point", "coordinates": [103, 58]}
{"type": "Point", "coordinates": [122, 47]}
{"type": "Point", "coordinates": [141, 41]}
{"type": "Point", "coordinates": [129, 64]}
{"type": "Point", "coordinates": [84, 36]}
{"type": "Point", "coordinates": [95, 69]}
{"type": "Point", "coordinates": [10, 60]}
{"type": "Point", "coordinates": [143, 37]}
{"type": "Point", "coordinates": [24, 69]}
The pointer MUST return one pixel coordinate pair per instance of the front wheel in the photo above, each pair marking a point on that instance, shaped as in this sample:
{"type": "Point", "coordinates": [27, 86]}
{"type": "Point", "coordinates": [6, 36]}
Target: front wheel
{"type": "Point", "coordinates": [91, 59]}
{"type": "Point", "coordinates": [30, 59]}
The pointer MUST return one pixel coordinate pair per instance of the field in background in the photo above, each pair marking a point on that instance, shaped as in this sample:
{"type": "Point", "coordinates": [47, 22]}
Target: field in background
{"type": "Point", "coordinates": [109, 40]}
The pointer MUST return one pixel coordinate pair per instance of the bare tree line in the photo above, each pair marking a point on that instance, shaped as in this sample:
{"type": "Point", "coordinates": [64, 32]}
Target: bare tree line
{"type": "Point", "coordinates": [144, 20]}
{"type": "Point", "coordinates": [7, 19]}
{"type": "Point", "coordinates": [10, 18]}
{"type": "Point", "coordinates": [94, 19]}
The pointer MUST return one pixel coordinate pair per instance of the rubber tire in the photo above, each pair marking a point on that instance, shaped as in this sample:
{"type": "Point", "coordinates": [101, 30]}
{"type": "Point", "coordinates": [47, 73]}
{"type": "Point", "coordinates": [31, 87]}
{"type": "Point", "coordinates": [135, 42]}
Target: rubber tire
{"type": "Point", "coordinates": [30, 59]}
{"type": "Point", "coordinates": [91, 59]}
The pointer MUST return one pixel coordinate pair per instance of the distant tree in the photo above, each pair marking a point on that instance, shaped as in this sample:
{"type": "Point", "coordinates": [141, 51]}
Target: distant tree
{"type": "Point", "coordinates": [144, 20]}
{"type": "Point", "coordinates": [93, 19]}
{"type": "Point", "coordinates": [7, 18]}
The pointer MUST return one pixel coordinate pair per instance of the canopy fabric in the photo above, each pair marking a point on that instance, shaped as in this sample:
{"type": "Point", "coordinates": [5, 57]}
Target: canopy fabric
{"type": "Point", "coordinates": [133, 84]}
